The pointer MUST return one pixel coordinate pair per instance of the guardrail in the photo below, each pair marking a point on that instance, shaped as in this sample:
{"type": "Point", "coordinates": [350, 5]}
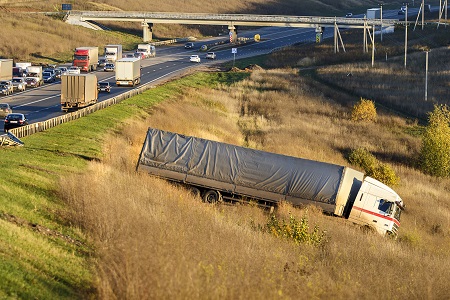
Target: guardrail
{"type": "Point", "coordinates": [44, 125]}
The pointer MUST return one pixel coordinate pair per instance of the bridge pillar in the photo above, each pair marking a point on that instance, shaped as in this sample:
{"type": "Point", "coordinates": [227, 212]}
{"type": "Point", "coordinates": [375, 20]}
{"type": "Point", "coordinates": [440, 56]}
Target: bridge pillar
{"type": "Point", "coordinates": [232, 33]}
{"type": "Point", "coordinates": [147, 31]}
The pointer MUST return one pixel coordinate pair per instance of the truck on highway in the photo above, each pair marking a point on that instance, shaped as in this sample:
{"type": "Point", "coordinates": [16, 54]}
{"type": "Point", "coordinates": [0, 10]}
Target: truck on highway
{"type": "Point", "coordinates": [218, 171]}
{"type": "Point", "coordinates": [128, 71]}
{"type": "Point", "coordinates": [373, 13]}
{"type": "Point", "coordinates": [86, 58]}
{"type": "Point", "coordinates": [147, 50]}
{"type": "Point", "coordinates": [35, 72]}
{"type": "Point", "coordinates": [6, 69]}
{"type": "Point", "coordinates": [113, 52]}
{"type": "Point", "coordinates": [78, 91]}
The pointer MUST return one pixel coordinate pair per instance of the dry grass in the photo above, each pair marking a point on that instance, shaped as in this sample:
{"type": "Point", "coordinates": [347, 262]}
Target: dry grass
{"type": "Point", "coordinates": [155, 240]}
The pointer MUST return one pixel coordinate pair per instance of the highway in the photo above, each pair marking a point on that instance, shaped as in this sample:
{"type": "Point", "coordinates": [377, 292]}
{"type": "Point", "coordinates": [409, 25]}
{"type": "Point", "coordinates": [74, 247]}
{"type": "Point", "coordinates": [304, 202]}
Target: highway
{"type": "Point", "coordinates": [43, 103]}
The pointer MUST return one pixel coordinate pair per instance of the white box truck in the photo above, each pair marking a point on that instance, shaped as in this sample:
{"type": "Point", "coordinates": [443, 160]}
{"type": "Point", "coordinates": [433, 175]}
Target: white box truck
{"type": "Point", "coordinates": [148, 50]}
{"type": "Point", "coordinates": [113, 52]}
{"type": "Point", "coordinates": [128, 71]}
{"type": "Point", "coordinates": [219, 171]}
{"type": "Point", "coordinates": [35, 72]}
{"type": "Point", "coordinates": [78, 91]}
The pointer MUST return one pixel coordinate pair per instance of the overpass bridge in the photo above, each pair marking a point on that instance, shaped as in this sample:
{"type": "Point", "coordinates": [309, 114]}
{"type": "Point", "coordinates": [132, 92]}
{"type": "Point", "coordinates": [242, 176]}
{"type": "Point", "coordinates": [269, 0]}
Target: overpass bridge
{"type": "Point", "coordinates": [148, 19]}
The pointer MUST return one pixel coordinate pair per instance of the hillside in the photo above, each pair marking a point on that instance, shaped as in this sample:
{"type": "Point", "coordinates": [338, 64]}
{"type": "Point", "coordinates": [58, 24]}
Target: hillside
{"type": "Point", "coordinates": [38, 38]}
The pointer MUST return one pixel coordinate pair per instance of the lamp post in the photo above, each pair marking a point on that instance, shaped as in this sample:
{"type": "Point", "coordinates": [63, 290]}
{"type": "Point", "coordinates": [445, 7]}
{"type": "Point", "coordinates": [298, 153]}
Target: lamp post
{"type": "Point", "coordinates": [406, 31]}
{"type": "Point", "coordinates": [426, 74]}
{"type": "Point", "coordinates": [381, 19]}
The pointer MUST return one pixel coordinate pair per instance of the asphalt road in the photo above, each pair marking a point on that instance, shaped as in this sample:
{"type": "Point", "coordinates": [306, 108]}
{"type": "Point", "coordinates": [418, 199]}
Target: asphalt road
{"type": "Point", "coordinates": [43, 103]}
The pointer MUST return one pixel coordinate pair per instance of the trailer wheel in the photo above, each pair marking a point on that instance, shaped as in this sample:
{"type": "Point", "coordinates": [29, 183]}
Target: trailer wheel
{"type": "Point", "coordinates": [195, 192]}
{"type": "Point", "coordinates": [211, 196]}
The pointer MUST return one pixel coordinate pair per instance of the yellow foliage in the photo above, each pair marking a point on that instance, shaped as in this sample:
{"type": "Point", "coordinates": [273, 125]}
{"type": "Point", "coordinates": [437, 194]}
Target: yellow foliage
{"type": "Point", "coordinates": [364, 110]}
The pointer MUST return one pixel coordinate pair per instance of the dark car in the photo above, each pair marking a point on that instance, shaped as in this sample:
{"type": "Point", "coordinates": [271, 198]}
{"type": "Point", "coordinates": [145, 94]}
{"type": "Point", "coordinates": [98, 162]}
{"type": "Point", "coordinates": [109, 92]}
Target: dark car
{"type": "Point", "coordinates": [32, 82]}
{"type": "Point", "coordinates": [104, 87]}
{"type": "Point", "coordinates": [15, 120]}
{"type": "Point", "coordinates": [49, 76]}
{"type": "Point", "coordinates": [189, 45]}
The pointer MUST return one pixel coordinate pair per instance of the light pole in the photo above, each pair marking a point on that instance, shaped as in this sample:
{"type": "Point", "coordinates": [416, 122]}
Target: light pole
{"type": "Point", "coordinates": [381, 19]}
{"type": "Point", "coordinates": [406, 31]}
{"type": "Point", "coordinates": [426, 75]}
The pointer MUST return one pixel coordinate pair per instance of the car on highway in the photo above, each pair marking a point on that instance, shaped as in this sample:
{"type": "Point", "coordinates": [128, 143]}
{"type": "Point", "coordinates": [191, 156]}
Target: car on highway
{"type": "Point", "coordinates": [194, 58]}
{"type": "Point", "coordinates": [109, 67]}
{"type": "Point", "coordinates": [5, 109]}
{"type": "Point", "coordinates": [103, 86]}
{"type": "Point", "coordinates": [101, 62]}
{"type": "Point", "coordinates": [349, 15]}
{"type": "Point", "coordinates": [210, 55]}
{"type": "Point", "coordinates": [73, 70]}
{"type": "Point", "coordinates": [189, 45]}
{"type": "Point", "coordinates": [19, 83]}
{"type": "Point", "coordinates": [32, 82]}
{"type": "Point", "coordinates": [62, 71]}
{"type": "Point", "coordinates": [48, 77]}
{"type": "Point", "coordinates": [14, 120]}
{"type": "Point", "coordinates": [6, 87]}
{"type": "Point", "coordinates": [140, 55]}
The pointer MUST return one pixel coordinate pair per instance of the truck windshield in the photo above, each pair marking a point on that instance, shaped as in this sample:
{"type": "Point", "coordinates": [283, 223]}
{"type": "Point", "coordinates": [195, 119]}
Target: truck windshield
{"type": "Point", "coordinates": [81, 57]}
{"type": "Point", "coordinates": [385, 206]}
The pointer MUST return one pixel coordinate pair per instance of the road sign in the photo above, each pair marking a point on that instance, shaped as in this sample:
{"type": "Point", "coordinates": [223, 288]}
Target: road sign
{"type": "Point", "coordinates": [234, 50]}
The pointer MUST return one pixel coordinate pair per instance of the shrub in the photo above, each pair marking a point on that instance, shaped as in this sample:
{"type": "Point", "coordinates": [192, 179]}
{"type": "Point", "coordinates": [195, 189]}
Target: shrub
{"type": "Point", "coordinates": [295, 230]}
{"type": "Point", "coordinates": [435, 151]}
{"type": "Point", "coordinates": [364, 110]}
{"type": "Point", "coordinates": [372, 167]}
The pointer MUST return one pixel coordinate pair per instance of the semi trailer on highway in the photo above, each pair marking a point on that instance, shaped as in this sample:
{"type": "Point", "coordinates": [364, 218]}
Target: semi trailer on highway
{"type": "Point", "coordinates": [219, 171]}
{"type": "Point", "coordinates": [86, 58]}
{"type": "Point", "coordinates": [113, 52]}
{"type": "Point", "coordinates": [128, 71]}
{"type": "Point", "coordinates": [6, 69]}
{"type": "Point", "coordinates": [78, 91]}
{"type": "Point", "coordinates": [373, 13]}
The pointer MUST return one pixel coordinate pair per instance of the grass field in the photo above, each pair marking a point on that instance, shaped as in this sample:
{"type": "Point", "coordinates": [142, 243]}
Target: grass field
{"type": "Point", "coordinates": [110, 233]}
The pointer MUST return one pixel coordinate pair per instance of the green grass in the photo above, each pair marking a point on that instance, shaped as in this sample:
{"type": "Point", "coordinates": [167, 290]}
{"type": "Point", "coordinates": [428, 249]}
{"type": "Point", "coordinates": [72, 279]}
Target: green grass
{"type": "Point", "coordinates": [42, 255]}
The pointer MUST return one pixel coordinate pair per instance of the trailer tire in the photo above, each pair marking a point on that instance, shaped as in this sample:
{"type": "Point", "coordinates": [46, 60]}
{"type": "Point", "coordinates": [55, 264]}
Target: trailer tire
{"type": "Point", "coordinates": [212, 196]}
{"type": "Point", "coordinates": [195, 192]}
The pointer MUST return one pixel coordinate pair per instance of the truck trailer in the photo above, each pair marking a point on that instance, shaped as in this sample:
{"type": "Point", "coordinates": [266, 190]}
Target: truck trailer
{"type": "Point", "coordinates": [113, 52]}
{"type": "Point", "coordinates": [78, 91]}
{"type": "Point", "coordinates": [86, 58]}
{"type": "Point", "coordinates": [6, 69]}
{"type": "Point", "coordinates": [128, 71]}
{"type": "Point", "coordinates": [219, 171]}
{"type": "Point", "coordinates": [374, 13]}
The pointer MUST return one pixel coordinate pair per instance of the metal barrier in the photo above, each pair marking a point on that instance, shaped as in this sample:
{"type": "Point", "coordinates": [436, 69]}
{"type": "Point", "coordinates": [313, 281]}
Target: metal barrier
{"type": "Point", "coordinates": [44, 125]}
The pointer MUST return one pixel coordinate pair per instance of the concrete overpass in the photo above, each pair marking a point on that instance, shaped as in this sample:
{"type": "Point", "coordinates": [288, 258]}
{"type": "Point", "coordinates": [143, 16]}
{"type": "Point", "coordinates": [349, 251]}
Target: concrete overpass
{"type": "Point", "coordinates": [148, 19]}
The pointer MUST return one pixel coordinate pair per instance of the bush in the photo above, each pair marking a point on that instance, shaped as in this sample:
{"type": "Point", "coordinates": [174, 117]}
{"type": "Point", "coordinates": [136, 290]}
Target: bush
{"type": "Point", "coordinates": [295, 230]}
{"type": "Point", "coordinates": [372, 167]}
{"type": "Point", "coordinates": [435, 151]}
{"type": "Point", "coordinates": [364, 110]}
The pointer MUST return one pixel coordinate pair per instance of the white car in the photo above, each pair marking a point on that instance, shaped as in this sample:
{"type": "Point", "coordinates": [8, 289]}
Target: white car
{"type": "Point", "coordinates": [194, 58]}
{"type": "Point", "coordinates": [73, 70]}
{"type": "Point", "coordinates": [211, 55]}
{"type": "Point", "coordinates": [19, 83]}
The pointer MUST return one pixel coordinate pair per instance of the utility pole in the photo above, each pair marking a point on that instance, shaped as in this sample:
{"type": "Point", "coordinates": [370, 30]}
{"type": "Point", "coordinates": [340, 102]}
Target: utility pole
{"type": "Point", "coordinates": [423, 13]}
{"type": "Point", "coordinates": [373, 45]}
{"type": "Point", "coordinates": [406, 32]}
{"type": "Point", "coordinates": [381, 17]}
{"type": "Point", "coordinates": [426, 75]}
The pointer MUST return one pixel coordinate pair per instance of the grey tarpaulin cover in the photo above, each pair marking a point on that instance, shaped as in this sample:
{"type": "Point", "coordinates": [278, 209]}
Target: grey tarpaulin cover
{"type": "Point", "coordinates": [286, 175]}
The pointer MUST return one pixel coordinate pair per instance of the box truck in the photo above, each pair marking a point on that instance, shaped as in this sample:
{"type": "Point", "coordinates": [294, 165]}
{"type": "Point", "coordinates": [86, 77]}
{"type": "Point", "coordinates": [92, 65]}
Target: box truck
{"type": "Point", "coordinates": [35, 72]}
{"type": "Point", "coordinates": [113, 52]}
{"type": "Point", "coordinates": [219, 171]}
{"type": "Point", "coordinates": [147, 50]}
{"type": "Point", "coordinates": [78, 91]}
{"type": "Point", "coordinates": [86, 58]}
{"type": "Point", "coordinates": [6, 69]}
{"type": "Point", "coordinates": [374, 13]}
{"type": "Point", "coordinates": [128, 71]}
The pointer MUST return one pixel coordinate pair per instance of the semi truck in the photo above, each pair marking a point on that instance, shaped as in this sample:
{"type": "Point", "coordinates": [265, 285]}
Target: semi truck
{"type": "Point", "coordinates": [35, 72]}
{"type": "Point", "coordinates": [224, 172]}
{"type": "Point", "coordinates": [86, 58]}
{"type": "Point", "coordinates": [373, 13]}
{"type": "Point", "coordinates": [6, 69]}
{"type": "Point", "coordinates": [113, 52]}
{"type": "Point", "coordinates": [78, 91]}
{"type": "Point", "coordinates": [147, 49]}
{"type": "Point", "coordinates": [128, 71]}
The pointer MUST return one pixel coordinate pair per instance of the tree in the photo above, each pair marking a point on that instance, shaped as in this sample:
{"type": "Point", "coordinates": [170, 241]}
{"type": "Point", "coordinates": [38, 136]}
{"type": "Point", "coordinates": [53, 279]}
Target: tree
{"type": "Point", "coordinates": [435, 151]}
